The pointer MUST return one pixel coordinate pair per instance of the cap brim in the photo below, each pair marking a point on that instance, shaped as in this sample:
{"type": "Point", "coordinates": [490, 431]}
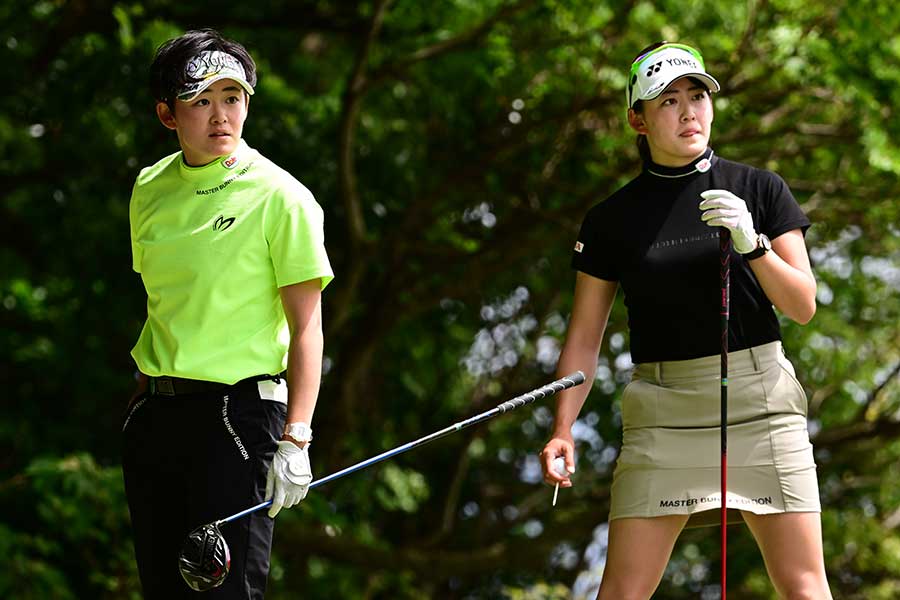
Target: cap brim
{"type": "Point", "coordinates": [706, 78]}
{"type": "Point", "coordinates": [188, 96]}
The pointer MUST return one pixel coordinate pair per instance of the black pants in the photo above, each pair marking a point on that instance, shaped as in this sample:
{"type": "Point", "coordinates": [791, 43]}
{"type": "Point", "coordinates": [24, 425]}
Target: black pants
{"type": "Point", "coordinates": [192, 459]}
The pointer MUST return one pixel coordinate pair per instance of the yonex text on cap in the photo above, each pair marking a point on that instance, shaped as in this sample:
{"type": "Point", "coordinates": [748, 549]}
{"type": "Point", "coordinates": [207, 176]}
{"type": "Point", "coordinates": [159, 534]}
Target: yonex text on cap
{"type": "Point", "coordinates": [652, 72]}
{"type": "Point", "coordinates": [209, 67]}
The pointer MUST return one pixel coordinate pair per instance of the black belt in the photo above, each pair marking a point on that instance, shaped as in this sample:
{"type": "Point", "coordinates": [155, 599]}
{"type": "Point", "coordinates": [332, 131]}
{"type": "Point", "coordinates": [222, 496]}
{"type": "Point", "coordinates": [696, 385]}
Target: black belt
{"type": "Point", "coordinates": [178, 386]}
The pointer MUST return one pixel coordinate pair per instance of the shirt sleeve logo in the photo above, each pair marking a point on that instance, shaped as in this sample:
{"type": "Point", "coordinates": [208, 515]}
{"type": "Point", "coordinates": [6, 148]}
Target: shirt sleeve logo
{"type": "Point", "coordinates": [579, 247]}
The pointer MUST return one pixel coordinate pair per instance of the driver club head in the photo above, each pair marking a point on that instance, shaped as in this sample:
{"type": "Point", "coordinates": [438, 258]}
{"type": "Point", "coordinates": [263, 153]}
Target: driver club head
{"type": "Point", "coordinates": [204, 560]}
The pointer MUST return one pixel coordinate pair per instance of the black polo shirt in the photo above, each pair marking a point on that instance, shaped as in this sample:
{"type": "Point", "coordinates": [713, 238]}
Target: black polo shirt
{"type": "Point", "coordinates": [648, 236]}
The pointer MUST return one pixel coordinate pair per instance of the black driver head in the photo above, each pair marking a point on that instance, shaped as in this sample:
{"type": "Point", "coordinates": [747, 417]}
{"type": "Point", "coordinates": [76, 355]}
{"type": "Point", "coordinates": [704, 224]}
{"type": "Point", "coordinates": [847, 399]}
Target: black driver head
{"type": "Point", "coordinates": [204, 559]}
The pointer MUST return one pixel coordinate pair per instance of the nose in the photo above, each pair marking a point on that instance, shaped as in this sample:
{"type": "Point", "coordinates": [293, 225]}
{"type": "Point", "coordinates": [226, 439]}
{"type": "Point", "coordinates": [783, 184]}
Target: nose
{"type": "Point", "coordinates": [218, 115]}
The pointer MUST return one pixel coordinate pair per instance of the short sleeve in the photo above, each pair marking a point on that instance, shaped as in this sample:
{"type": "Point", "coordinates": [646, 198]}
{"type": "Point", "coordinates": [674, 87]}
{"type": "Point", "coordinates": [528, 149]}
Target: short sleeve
{"type": "Point", "coordinates": [592, 254]}
{"type": "Point", "coordinates": [137, 253]}
{"type": "Point", "coordinates": [296, 236]}
{"type": "Point", "coordinates": [781, 211]}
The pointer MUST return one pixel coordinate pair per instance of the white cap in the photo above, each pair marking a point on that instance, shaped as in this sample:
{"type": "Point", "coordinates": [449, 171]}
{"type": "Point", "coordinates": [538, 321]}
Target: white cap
{"type": "Point", "coordinates": [209, 67]}
{"type": "Point", "coordinates": [653, 72]}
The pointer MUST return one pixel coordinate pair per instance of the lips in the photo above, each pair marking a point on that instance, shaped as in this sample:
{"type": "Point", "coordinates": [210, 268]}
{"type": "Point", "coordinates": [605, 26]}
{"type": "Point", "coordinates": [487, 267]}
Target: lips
{"type": "Point", "coordinates": [220, 134]}
{"type": "Point", "coordinates": [689, 133]}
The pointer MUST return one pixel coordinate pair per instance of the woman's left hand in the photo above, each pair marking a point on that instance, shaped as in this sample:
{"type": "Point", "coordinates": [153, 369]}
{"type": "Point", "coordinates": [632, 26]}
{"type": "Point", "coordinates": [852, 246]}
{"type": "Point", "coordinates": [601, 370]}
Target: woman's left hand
{"type": "Point", "coordinates": [289, 476]}
{"type": "Point", "coordinates": [721, 208]}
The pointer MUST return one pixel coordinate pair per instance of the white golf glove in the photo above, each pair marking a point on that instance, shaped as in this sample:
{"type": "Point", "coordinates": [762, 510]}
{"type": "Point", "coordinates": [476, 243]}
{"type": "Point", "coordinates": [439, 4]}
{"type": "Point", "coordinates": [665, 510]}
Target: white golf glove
{"type": "Point", "coordinates": [721, 208]}
{"type": "Point", "coordinates": [289, 476]}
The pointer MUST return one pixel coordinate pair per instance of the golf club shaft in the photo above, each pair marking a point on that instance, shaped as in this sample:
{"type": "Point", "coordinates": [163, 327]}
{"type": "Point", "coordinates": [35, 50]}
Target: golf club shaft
{"type": "Point", "coordinates": [725, 280]}
{"type": "Point", "coordinates": [563, 383]}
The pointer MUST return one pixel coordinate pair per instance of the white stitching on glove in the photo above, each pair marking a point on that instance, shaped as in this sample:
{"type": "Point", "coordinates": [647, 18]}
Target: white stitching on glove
{"type": "Point", "coordinates": [289, 476]}
{"type": "Point", "coordinates": [721, 208]}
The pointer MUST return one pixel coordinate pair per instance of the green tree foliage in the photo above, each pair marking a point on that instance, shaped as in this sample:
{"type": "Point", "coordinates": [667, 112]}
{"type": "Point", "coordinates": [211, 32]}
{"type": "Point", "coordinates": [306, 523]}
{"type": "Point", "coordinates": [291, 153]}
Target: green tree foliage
{"type": "Point", "coordinates": [455, 147]}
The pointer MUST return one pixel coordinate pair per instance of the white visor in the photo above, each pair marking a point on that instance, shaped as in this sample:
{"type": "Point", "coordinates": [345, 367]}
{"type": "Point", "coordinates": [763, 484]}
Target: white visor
{"type": "Point", "coordinates": [658, 69]}
{"type": "Point", "coordinates": [209, 67]}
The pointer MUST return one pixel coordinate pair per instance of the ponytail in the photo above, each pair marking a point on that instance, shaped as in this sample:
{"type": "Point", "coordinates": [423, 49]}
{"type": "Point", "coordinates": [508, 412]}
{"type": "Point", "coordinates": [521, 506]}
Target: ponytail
{"type": "Point", "coordinates": [643, 148]}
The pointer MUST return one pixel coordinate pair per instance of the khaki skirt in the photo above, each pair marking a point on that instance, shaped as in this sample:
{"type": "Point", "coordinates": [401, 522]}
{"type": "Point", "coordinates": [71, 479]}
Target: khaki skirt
{"type": "Point", "coordinates": [671, 448]}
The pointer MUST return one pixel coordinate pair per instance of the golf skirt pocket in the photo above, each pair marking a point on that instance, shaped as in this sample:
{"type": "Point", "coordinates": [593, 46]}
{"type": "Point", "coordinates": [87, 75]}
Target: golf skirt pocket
{"type": "Point", "coordinates": [670, 459]}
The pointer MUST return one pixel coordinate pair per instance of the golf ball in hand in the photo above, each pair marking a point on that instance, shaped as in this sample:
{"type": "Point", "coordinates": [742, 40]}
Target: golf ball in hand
{"type": "Point", "coordinates": [559, 465]}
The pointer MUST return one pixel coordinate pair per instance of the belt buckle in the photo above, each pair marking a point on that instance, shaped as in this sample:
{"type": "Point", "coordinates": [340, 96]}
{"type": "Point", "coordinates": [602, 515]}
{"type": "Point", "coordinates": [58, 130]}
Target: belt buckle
{"type": "Point", "coordinates": [164, 386]}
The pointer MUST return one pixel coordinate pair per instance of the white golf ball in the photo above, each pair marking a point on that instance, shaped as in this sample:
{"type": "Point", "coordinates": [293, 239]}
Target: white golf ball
{"type": "Point", "coordinates": [559, 465]}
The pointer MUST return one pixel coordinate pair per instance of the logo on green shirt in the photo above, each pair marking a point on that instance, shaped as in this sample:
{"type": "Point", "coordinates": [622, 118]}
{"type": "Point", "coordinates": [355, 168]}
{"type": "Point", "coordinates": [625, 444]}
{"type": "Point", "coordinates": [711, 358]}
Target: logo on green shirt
{"type": "Point", "coordinates": [222, 223]}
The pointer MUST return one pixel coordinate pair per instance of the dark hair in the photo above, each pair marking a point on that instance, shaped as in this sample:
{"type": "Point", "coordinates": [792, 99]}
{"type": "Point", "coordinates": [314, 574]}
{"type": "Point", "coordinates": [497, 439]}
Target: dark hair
{"type": "Point", "coordinates": [643, 145]}
{"type": "Point", "coordinates": [646, 50]}
{"type": "Point", "coordinates": [167, 73]}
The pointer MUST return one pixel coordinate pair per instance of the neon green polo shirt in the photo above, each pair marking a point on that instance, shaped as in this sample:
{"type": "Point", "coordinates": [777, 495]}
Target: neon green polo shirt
{"type": "Point", "coordinates": [213, 244]}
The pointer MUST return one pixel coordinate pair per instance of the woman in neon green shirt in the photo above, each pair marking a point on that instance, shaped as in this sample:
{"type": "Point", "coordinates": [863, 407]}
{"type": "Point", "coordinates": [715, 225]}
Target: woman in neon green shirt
{"type": "Point", "coordinates": [231, 252]}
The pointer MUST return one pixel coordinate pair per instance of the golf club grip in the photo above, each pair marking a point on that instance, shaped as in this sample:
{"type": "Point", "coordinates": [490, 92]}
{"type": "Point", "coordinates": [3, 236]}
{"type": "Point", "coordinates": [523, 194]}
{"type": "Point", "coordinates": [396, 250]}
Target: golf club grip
{"type": "Point", "coordinates": [563, 383]}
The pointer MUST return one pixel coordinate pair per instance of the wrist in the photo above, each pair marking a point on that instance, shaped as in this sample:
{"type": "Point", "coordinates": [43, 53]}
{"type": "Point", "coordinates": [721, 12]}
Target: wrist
{"type": "Point", "coordinates": [287, 438]}
{"type": "Point", "coordinates": [563, 434]}
{"type": "Point", "coordinates": [298, 432]}
{"type": "Point", "coordinates": [763, 245]}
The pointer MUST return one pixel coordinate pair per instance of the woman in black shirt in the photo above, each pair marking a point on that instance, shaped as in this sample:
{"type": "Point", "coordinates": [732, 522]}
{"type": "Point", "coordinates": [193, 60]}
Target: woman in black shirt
{"type": "Point", "coordinates": [657, 238]}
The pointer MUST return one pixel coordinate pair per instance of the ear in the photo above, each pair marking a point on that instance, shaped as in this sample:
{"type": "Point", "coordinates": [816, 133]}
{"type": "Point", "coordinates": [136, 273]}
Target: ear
{"type": "Point", "coordinates": [636, 120]}
{"type": "Point", "coordinates": [166, 116]}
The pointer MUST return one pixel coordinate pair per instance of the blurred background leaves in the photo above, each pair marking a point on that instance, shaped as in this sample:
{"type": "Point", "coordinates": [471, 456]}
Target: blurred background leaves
{"type": "Point", "coordinates": [455, 147]}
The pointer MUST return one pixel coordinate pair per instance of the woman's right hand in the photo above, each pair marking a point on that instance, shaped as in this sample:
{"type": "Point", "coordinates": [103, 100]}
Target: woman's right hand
{"type": "Point", "coordinates": [560, 446]}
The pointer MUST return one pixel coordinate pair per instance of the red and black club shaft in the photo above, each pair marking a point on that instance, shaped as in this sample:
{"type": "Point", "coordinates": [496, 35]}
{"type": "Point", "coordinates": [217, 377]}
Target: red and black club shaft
{"type": "Point", "coordinates": [725, 281]}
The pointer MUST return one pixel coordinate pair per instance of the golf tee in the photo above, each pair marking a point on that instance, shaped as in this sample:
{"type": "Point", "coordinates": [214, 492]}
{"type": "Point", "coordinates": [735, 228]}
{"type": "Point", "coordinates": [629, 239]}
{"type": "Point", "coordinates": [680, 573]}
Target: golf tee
{"type": "Point", "coordinates": [559, 465]}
